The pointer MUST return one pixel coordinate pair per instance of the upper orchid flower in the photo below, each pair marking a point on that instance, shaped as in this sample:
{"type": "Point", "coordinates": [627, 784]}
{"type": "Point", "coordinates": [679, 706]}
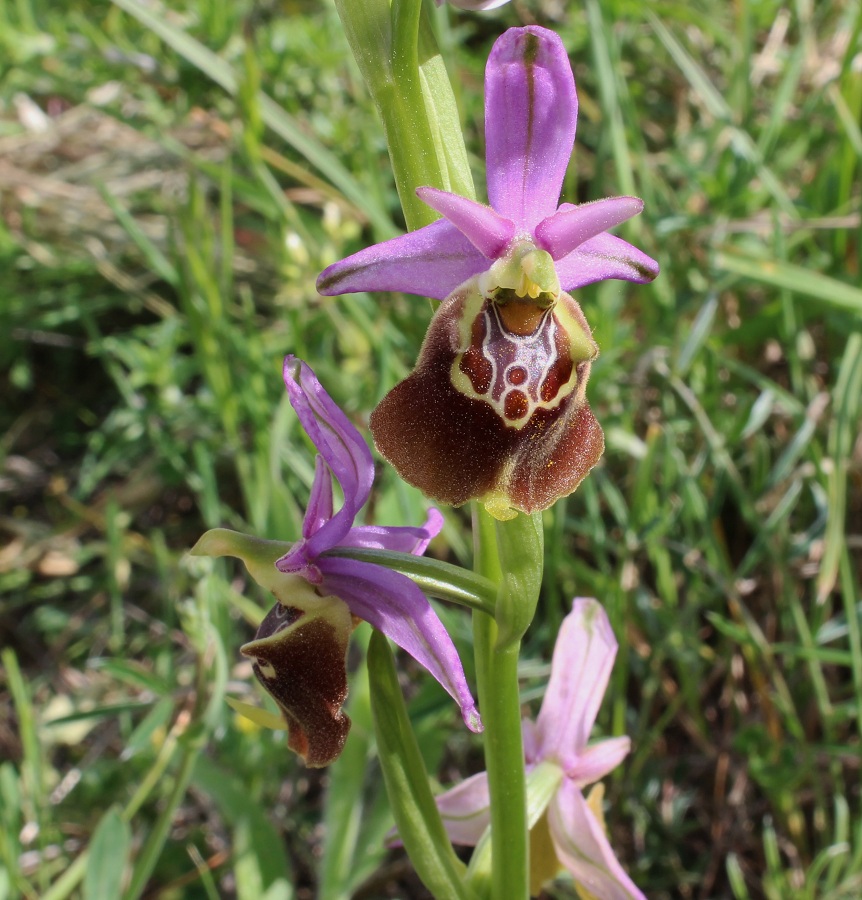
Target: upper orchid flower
{"type": "Point", "coordinates": [496, 407]}
{"type": "Point", "coordinates": [567, 829]}
{"type": "Point", "coordinates": [299, 649]}
{"type": "Point", "coordinates": [531, 110]}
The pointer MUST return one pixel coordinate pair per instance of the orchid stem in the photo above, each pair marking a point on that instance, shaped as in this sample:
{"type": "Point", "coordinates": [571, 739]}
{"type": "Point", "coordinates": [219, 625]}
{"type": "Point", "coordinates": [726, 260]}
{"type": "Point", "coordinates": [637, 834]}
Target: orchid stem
{"type": "Point", "coordinates": [406, 118]}
{"type": "Point", "coordinates": [499, 702]}
{"type": "Point", "coordinates": [397, 55]}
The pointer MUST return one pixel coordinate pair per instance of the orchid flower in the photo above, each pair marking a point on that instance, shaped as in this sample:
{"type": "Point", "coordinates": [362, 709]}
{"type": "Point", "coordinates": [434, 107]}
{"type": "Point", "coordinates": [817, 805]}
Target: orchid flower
{"type": "Point", "coordinates": [567, 829]}
{"type": "Point", "coordinates": [496, 409]}
{"type": "Point", "coordinates": [299, 650]}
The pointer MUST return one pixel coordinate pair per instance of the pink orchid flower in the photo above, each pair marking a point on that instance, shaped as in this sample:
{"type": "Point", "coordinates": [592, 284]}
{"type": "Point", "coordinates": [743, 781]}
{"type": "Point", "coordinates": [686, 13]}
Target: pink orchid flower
{"type": "Point", "coordinates": [566, 833]}
{"type": "Point", "coordinates": [496, 408]}
{"type": "Point", "coordinates": [300, 647]}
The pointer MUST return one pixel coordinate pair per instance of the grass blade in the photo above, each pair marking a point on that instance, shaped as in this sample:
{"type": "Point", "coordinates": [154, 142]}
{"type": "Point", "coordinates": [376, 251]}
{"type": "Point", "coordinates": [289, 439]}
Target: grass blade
{"type": "Point", "coordinates": [847, 404]}
{"type": "Point", "coordinates": [794, 278]}
{"type": "Point", "coordinates": [109, 852]}
{"type": "Point", "coordinates": [276, 118]}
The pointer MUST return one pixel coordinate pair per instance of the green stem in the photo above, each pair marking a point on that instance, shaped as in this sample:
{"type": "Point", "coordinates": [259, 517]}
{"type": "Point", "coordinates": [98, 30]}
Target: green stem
{"type": "Point", "coordinates": [402, 67]}
{"type": "Point", "coordinates": [436, 578]}
{"type": "Point", "coordinates": [416, 815]}
{"type": "Point", "coordinates": [499, 702]}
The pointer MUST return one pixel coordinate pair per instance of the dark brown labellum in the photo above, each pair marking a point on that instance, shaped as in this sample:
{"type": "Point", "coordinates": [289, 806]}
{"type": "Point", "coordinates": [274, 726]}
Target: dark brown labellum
{"type": "Point", "coordinates": [495, 409]}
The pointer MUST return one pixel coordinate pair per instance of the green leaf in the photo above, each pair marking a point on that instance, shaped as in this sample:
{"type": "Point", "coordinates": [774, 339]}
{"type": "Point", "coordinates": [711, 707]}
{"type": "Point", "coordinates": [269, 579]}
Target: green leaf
{"type": "Point", "coordinates": [796, 279]}
{"type": "Point", "coordinates": [441, 110]}
{"type": "Point", "coordinates": [521, 545]}
{"type": "Point", "coordinates": [106, 863]}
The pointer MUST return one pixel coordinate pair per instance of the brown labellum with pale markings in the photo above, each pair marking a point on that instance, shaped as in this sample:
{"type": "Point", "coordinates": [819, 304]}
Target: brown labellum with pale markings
{"type": "Point", "coordinates": [495, 409]}
{"type": "Point", "coordinates": [299, 657]}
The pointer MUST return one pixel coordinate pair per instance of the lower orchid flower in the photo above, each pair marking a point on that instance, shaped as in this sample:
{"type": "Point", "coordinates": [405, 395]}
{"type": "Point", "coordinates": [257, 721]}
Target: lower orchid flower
{"type": "Point", "coordinates": [566, 828]}
{"type": "Point", "coordinates": [300, 647]}
{"type": "Point", "coordinates": [496, 408]}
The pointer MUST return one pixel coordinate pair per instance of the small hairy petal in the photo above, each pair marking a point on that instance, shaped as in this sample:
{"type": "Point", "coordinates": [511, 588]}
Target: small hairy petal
{"type": "Point", "coordinates": [430, 262]}
{"type": "Point", "coordinates": [570, 226]}
{"type": "Point", "coordinates": [319, 510]}
{"type": "Point", "coordinates": [466, 810]}
{"type": "Point", "coordinates": [300, 658]}
{"type": "Point", "coordinates": [602, 257]}
{"type": "Point", "coordinates": [581, 666]}
{"type": "Point", "coordinates": [488, 231]}
{"type": "Point", "coordinates": [393, 604]}
{"type": "Point", "coordinates": [583, 848]}
{"type": "Point", "coordinates": [531, 111]}
{"type": "Point", "coordinates": [342, 447]}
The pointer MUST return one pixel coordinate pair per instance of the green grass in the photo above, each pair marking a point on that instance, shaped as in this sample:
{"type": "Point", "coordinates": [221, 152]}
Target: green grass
{"type": "Point", "coordinates": [159, 242]}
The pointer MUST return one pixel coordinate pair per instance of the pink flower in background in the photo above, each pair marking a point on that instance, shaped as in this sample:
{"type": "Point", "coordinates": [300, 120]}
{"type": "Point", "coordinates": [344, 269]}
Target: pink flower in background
{"type": "Point", "coordinates": [566, 832]}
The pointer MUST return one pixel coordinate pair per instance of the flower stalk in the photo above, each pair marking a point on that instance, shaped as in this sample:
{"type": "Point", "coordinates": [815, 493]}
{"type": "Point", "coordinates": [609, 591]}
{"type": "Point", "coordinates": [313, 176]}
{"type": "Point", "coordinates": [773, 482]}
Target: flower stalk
{"type": "Point", "coordinates": [402, 67]}
{"type": "Point", "coordinates": [497, 645]}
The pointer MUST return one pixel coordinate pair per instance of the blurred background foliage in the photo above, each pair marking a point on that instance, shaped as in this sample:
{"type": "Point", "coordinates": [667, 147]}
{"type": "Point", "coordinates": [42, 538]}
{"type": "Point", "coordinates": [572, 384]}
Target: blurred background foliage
{"type": "Point", "coordinates": [162, 226]}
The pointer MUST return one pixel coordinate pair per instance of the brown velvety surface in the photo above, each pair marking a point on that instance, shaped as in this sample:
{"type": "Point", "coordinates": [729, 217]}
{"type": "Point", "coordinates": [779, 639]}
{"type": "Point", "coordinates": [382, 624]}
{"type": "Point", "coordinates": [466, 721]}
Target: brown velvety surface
{"type": "Point", "coordinates": [309, 681]}
{"type": "Point", "coordinates": [455, 448]}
